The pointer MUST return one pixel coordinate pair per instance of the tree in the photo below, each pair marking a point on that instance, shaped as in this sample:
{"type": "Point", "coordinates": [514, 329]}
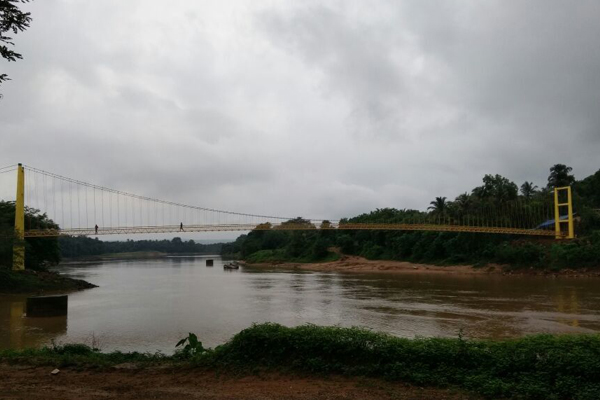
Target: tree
{"type": "Point", "coordinates": [463, 202]}
{"type": "Point", "coordinates": [346, 243]}
{"type": "Point", "coordinates": [39, 252]}
{"type": "Point", "coordinates": [528, 189]}
{"type": "Point", "coordinates": [589, 190]}
{"type": "Point", "coordinates": [298, 244]}
{"type": "Point", "coordinates": [319, 249]}
{"type": "Point", "coordinates": [496, 187]}
{"type": "Point", "coordinates": [12, 19]}
{"type": "Point", "coordinates": [560, 176]}
{"type": "Point", "coordinates": [438, 205]}
{"type": "Point", "coordinates": [325, 224]}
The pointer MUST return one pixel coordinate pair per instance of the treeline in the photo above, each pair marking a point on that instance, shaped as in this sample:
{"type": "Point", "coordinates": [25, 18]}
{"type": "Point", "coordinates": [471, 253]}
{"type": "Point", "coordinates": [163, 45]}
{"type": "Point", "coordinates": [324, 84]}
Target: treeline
{"type": "Point", "coordinates": [39, 252]}
{"type": "Point", "coordinates": [80, 246]}
{"type": "Point", "coordinates": [496, 193]}
{"type": "Point", "coordinates": [272, 245]}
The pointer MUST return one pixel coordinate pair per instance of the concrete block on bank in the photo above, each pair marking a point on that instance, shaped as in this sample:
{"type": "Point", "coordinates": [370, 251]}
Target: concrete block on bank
{"type": "Point", "coordinates": [47, 306]}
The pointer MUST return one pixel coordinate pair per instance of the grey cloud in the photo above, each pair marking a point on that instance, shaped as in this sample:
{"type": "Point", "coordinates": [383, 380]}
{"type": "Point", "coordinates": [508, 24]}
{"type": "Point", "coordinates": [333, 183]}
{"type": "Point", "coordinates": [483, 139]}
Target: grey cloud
{"type": "Point", "coordinates": [522, 70]}
{"type": "Point", "coordinates": [321, 109]}
{"type": "Point", "coordinates": [356, 59]}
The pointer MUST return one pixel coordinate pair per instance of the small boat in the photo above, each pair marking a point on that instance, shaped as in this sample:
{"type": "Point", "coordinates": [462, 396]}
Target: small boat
{"type": "Point", "coordinates": [231, 266]}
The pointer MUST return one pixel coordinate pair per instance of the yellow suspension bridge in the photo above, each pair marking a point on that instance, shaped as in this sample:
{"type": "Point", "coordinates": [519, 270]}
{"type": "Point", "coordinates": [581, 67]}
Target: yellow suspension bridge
{"type": "Point", "coordinates": [75, 207]}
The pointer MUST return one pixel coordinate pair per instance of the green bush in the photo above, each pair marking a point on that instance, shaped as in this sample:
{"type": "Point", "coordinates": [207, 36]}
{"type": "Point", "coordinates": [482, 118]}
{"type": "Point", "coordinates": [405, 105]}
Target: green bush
{"type": "Point", "coordinates": [190, 347]}
{"type": "Point", "coordinates": [523, 254]}
{"type": "Point", "coordinates": [595, 238]}
{"type": "Point", "coordinates": [536, 367]}
{"type": "Point", "coordinates": [575, 254]}
{"type": "Point", "coordinates": [552, 367]}
{"type": "Point", "coordinates": [265, 256]}
{"type": "Point", "coordinates": [371, 251]}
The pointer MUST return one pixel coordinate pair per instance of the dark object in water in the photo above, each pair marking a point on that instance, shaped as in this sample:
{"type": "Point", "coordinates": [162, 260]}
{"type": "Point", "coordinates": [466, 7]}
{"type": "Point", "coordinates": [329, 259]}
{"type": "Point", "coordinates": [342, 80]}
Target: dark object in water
{"type": "Point", "coordinates": [47, 306]}
{"type": "Point", "coordinates": [209, 263]}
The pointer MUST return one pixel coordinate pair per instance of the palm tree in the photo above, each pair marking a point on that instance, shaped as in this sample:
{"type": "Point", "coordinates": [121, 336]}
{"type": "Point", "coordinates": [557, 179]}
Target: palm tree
{"type": "Point", "coordinates": [528, 189]}
{"type": "Point", "coordinates": [439, 205]}
{"type": "Point", "coordinates": [560, 176]}
{"type": "Point", "coordinates": [463, 202]}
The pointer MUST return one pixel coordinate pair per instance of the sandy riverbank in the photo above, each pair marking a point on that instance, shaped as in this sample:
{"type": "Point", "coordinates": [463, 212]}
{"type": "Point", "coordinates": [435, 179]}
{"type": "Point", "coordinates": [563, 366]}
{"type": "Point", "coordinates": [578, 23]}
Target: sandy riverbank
{"type": "Point", "coordinates": [354, 264]}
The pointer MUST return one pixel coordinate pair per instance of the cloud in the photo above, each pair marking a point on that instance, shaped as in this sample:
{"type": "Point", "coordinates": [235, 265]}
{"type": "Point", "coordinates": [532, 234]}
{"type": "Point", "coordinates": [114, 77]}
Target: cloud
{"type": "Point", "coordinates": [320, 109]}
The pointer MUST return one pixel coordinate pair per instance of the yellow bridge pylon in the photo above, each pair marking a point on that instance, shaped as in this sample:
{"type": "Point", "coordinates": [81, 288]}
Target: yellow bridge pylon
{"type": "Point", "coordinates": [19, 246]}
{"type": "Point", "coordinates": [558, 220]}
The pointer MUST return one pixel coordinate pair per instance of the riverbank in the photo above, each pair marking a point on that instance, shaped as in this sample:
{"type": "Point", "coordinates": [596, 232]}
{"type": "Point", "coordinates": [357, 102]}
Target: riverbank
{"type": "Point", "coordinates": [169, 383]}
{"type": "Point", "coordinates": [38, 282]}
{"type": "Point", "coordinates": [356, 264]}
{"type": "Point", "coordinates": [268, 359]}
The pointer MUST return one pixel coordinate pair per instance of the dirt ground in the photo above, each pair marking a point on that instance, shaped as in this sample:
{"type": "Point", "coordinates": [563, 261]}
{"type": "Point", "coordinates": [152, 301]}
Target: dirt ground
{"type": "Point", "coordinates": [360, 264]}
{"type": "Point", "coordinates": [36, 383]}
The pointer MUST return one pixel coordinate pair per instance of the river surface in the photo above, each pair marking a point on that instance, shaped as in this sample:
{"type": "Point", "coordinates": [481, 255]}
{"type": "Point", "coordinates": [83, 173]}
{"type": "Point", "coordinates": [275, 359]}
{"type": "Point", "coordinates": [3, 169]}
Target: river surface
{"type": "Point", "coordinates": [149, 305]}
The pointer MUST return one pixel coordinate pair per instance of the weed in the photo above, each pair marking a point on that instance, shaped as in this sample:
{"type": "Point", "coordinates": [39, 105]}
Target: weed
{"type": "Point", "coordinates": [190, 346]}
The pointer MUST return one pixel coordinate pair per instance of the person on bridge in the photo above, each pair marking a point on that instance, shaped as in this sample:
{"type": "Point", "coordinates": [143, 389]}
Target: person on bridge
{"type": "Point", "coordinates": [181, 227]}
{"type": "Point", "coordinates": [96, 229]}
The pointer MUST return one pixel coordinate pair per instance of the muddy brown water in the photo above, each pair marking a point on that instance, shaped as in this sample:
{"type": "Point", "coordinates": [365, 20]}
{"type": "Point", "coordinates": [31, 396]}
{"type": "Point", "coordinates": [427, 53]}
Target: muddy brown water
{"type": "Point", "coordinates": [149, 305]}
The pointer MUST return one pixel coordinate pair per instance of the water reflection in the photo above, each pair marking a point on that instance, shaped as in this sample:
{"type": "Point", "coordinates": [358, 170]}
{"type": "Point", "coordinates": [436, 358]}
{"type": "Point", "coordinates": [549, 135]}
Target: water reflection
{"type": "Point", "coordinates": [17, 331]}
{"type": "Point", "coordinates": [568, 302]}
{"type": "Point", "coordinates": [148, 305]}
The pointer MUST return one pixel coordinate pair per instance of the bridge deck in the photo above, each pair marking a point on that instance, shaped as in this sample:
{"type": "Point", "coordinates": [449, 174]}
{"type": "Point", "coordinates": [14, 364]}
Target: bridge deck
{"type": "Point", "coordinates": [287, 227]}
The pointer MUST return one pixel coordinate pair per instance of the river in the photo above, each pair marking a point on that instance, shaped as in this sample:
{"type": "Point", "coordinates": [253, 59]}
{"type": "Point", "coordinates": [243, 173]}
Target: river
{"type": "Point", "coordinates": [149, 305]}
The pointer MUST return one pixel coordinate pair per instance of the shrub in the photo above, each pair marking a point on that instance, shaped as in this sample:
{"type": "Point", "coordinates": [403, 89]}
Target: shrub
{"type": "Point", "coordinates": [536, 367]}
{"type": "Point", "coordinates": [523, 254]}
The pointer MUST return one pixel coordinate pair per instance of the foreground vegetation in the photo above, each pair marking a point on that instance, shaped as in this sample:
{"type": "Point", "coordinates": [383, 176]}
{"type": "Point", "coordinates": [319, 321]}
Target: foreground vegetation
{"type": "Point", "coordinates": [534, 367]}
{"type": "Point", "coordinates": [497, 201]}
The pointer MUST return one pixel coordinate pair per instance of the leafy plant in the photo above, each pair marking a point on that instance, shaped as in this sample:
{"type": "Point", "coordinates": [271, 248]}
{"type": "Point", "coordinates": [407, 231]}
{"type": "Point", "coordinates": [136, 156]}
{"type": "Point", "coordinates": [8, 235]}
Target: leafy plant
{"type": "Point", "coordinates": [191, 346]}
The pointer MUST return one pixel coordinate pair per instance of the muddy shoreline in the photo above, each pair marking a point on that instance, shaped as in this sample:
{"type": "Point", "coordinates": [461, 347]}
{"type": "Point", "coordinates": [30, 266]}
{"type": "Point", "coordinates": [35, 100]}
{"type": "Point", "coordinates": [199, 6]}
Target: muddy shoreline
{"type": "Point", "coordinates": [40, 282]}
{"type": "Point", "coordinates": [355, 264]}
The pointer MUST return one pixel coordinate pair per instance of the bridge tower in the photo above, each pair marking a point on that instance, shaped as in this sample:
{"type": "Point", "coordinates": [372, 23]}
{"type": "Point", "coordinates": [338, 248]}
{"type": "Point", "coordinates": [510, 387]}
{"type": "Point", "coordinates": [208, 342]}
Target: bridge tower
{"type": "Point", "coordinates": [19, 246]}
{"type": "Point", "coordinates": [568, 204]}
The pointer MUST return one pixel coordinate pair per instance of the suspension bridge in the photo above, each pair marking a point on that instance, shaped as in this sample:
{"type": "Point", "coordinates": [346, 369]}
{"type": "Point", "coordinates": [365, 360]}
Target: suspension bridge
{"type": "Point", "coordinates": [50, 205]}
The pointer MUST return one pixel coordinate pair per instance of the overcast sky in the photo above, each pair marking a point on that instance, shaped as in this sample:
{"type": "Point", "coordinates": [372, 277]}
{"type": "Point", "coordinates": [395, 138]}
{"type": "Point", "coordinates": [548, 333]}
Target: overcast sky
{"type": "Point", "coordinates": [320, 109]}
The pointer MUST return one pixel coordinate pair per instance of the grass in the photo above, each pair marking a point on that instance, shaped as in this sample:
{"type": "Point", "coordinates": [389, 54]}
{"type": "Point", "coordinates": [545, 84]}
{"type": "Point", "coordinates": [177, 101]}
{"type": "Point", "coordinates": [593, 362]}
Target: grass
{"type": "Point", "coordinates": [78, 356]}
{"type": "Point", "coordinates": [534, 367]}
